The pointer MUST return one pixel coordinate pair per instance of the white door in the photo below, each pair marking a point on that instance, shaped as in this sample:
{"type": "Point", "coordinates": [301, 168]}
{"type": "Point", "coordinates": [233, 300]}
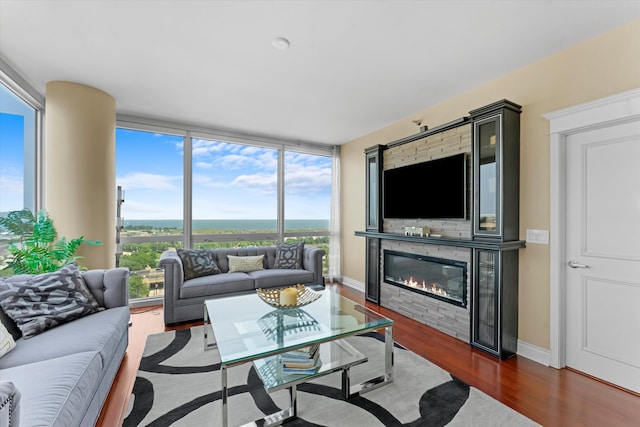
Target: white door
{"type": "Point", "coordinates": [603, 254]}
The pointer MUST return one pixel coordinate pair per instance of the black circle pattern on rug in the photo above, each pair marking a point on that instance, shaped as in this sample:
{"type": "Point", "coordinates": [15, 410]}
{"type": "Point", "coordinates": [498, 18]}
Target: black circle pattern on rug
{"type": "Point", "coordinates": [437, 406]}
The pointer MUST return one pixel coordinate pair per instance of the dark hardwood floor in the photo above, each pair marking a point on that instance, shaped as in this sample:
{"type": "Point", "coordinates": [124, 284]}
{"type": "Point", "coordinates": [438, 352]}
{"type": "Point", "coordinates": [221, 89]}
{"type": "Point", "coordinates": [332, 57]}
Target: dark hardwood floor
{"type": "Point", "coordinates": [548, 396]}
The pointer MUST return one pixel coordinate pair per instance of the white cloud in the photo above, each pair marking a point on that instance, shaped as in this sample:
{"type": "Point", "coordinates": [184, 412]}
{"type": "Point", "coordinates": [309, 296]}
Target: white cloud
{"type": "Point", "coordinates": [204, 165]}
{"type": "Point", "coordinates": [151, 210]}
{"type": "Point", "coordinates": [262, 183]}
{"type": "Point", "coordinates": [149, 181]}
{"type": "Point", "coordinates": [307, 179]}
{"type": "Point", "coordinates": [11, 184]}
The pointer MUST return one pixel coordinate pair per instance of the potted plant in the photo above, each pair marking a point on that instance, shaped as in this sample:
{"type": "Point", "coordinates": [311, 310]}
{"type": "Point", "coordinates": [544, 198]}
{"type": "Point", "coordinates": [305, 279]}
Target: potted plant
{"type": "Point", "coordinates": [39, 250]}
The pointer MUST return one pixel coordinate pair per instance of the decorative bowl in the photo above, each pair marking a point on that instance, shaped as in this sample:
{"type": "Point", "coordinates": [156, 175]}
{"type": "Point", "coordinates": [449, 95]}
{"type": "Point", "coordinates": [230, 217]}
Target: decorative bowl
{"type": "Point", "coordinates": [272, 296]}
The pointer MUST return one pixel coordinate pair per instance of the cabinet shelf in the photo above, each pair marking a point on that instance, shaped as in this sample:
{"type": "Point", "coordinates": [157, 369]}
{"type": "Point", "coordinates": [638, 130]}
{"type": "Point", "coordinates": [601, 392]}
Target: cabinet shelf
{"type": "Point", "coordinates": [490, 244]}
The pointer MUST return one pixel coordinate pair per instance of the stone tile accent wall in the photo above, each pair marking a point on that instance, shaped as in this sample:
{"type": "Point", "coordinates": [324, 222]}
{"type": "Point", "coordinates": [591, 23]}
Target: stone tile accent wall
{"type": "Point", "coordinates": [448, 318]}
{"type": "Point", "coordinates": [443, 144]}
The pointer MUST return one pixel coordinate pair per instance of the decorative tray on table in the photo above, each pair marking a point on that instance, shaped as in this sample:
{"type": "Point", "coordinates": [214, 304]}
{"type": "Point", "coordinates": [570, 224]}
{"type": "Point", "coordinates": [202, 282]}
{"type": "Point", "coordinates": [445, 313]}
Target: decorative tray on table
{"type": "Point", "coordinates": [304, 296]}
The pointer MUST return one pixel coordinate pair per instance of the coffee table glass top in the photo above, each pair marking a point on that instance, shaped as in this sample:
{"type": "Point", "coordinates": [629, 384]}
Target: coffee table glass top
{"type": "Point", "coordinates": [246, 328]}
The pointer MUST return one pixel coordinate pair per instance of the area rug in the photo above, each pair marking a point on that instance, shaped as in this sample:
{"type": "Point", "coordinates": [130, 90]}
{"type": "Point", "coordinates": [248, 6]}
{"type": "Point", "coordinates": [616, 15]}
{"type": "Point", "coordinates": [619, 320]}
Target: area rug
{"type": "Point", "coordinates": [178, 384]}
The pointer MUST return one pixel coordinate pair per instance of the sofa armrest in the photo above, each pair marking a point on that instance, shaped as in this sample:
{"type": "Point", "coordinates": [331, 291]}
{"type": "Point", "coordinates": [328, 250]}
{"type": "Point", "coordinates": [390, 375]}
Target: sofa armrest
{"type": "Point", "coordinates": [312, 261]}
{"type": "Point", "coordinates": [110, 286]}
{"type": "Point", "coordinates": [9, 405]}
{"type": "Point", "coordinates": [173, 280]}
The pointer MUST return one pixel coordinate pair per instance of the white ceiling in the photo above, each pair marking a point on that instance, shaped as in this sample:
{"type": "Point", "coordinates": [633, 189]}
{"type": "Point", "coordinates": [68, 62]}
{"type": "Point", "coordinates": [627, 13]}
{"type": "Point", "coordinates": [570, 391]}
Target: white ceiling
{"type": "Point", "coordinates": [353, 66]}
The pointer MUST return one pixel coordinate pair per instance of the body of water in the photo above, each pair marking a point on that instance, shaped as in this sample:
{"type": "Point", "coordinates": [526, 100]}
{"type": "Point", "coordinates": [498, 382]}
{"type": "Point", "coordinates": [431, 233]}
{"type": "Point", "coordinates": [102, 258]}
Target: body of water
{"type": "Point", "coordinates": [232, 224]}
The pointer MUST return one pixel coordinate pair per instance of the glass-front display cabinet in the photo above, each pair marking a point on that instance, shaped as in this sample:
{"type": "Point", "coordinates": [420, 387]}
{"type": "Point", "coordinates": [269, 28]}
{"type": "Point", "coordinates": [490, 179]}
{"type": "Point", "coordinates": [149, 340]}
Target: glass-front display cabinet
{"type": "Point", "coordinates": [373, 157]}
{"type": "Point", "coordinates": [373, 176]}
{"type": "Point", "coordinates": [494, 312]}
{"type": "Point", "coordinates": [496, 170]}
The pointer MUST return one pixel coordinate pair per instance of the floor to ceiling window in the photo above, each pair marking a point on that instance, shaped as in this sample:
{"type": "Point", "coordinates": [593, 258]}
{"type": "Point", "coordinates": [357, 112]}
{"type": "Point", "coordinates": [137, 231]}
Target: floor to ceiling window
{"type": "Point", "coordinates": [195, 190]}
{"type": "Point", "coordinates": [149, 176]}
{"type": "Point", "coordinates": [307, 199]}
{"type": "Point", "coordinates": [19, 121]}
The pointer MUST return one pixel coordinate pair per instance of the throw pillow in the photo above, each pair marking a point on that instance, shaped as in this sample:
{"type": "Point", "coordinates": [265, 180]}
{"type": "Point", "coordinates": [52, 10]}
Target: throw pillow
{"type": "Point", "coordinates": [6, 341]}
{"type": "Point", "coordinates": [289, 255]}
{"type": "Point", "coordinates": [197, 263]}
{"type": "Point", "coordinates": [43, 301]}
{"type": "Point", "coordinates": [245, 263]}
{"type": "Point", "coordinates": [10, 325]}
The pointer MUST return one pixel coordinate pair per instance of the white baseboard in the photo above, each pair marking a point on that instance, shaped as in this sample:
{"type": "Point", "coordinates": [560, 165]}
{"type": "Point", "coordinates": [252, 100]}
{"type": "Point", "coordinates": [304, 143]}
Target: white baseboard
{"type": "Point", "coordinates": [353, 283]}
{"type": "Point", "coordinates": [535, 353]}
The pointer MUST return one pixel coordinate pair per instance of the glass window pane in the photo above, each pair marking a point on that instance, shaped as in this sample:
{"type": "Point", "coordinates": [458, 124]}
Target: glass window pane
{"type": "Point", "coordinates": [307, 192]}
{"type": "Point", "coordinates": [307, 200]}
{"type": "Point", "coordinates": [146, 279]}
{"type": "Point", "coordinates": [234, 188]}
{"type": "Point", "coordinates": [17, 152]}
{"type": "Point", "coordinates": [149, 168]}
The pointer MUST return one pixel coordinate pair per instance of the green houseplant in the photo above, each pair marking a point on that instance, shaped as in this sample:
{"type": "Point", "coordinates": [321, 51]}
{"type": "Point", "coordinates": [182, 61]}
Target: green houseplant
{"type": "Point", "coordinates": [39, 250]}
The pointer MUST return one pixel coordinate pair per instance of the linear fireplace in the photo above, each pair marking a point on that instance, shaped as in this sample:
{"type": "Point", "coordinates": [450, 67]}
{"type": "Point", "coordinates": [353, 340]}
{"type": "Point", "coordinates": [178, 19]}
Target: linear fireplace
{"type": "Point", "coordinates": [439, 278]}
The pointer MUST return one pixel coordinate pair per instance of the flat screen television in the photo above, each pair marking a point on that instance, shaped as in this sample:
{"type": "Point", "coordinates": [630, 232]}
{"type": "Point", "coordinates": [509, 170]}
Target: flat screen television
{"type": "Point", "coordinates": [436, 189]}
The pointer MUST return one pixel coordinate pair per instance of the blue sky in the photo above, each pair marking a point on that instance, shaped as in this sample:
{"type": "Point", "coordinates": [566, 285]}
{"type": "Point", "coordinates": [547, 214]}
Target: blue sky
{"type": "Point", "coordinates": [230, 181]}
{"type": "Point", "coordinates": [11, 162]}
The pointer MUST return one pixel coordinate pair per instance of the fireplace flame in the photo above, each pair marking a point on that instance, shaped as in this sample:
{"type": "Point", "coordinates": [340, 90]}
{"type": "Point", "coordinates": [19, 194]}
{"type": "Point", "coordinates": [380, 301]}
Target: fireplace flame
{"type": "Point", "coordinates": [432, 288]}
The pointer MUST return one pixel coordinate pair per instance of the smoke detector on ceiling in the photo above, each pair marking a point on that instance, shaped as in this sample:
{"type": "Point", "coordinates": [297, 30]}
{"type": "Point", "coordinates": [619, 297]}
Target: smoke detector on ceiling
{"type": "Point", "coordinates": [280, 43]}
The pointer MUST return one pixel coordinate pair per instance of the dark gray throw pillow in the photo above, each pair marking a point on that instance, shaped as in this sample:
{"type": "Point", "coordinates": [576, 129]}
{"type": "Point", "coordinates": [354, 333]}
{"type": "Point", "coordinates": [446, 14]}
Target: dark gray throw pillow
{"type": "Point", "coordinates": [197, 263]}
{"type": "Point", "coordinates": [43, 301]}
{"type": "Point", "coordinates": [289, 255]}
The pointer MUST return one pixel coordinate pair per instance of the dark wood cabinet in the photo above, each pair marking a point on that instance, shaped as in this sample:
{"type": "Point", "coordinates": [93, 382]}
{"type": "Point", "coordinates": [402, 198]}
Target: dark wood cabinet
{"type": "Point", "coordinates": [494, 302]}
{"type": "Point", "coordinates": [373, 174]}
{"type": "Point", "coordinates": [496, 194]}
{"type": "Point", "coordinates": [496, 171]}
{"type": "Point", "coordinates": [372, 273]}
{"type": "Point", "coordinates": [373, 156]}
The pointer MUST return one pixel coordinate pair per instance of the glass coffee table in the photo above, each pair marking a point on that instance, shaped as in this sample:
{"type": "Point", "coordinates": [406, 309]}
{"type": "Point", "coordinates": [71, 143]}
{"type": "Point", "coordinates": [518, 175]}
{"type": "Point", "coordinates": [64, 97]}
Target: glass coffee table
{"type": "Point", "coordinates": [245, 329]}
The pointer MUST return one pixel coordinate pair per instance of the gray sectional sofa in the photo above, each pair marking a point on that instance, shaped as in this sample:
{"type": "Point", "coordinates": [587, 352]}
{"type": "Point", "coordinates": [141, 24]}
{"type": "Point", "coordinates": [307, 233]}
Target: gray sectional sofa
{"type": "Point", "coordinates": [184, 299]}
{"type": "Point", "coordinates": [63, 375]}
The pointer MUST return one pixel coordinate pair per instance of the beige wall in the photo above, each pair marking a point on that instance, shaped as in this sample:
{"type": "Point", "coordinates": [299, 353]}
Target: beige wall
{"type": "Point", "coordinates": [602, 66]}
{"type": "Point", "coordinates": [79, 160]}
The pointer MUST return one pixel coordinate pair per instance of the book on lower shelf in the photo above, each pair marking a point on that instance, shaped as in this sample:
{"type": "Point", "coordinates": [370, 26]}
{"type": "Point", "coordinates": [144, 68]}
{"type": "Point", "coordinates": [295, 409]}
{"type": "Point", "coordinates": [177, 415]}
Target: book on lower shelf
{"type": "Point", "coordinates": [302, 361]}
{"type": "Point", "coordinates": [302, 371]}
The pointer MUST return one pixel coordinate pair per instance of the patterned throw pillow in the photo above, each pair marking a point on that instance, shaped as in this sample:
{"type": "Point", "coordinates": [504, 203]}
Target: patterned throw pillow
{"type": "Point", "coordinates": [6, 341]}
{"type": "Point", "coordinates": [197, 263]}
{"type": "Point", "coordinates": [11, 326]}
{"type": "Point", "coordinates": [289, 255]}
{"type": "Point", "coordinates": [245, 263]}
{"type": "Point", "coordinates": [43, 301]}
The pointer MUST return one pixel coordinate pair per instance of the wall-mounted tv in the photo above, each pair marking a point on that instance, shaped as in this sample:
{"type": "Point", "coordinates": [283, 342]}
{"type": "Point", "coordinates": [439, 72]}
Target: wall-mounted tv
{"type": "Point", "coordinates": [436, 189]}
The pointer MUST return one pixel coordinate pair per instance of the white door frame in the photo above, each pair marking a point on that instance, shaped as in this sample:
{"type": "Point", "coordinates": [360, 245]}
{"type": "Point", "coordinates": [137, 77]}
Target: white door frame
{"type": "Point", "coordinates": [623, 107]}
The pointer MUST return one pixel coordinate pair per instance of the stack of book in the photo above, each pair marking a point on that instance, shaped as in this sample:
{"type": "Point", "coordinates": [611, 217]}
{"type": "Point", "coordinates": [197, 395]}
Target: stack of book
{"type": "Point", "coordinates": [302, 361]}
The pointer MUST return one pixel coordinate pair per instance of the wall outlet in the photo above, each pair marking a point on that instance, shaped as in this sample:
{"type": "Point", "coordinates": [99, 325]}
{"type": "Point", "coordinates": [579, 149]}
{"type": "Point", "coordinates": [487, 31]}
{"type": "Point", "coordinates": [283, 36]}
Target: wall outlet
{"type": "Point", "coordinates": [538, 236]}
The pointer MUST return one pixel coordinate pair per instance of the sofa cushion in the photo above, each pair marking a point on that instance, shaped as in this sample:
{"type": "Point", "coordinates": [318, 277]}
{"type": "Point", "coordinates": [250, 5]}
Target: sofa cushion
{"type": "Point", "coordinates": [274, 278]}
{"type": "Point", "coordinates": [245, 263]}
{"type": "Point", "coordinates": [56, 392]}
{"type": "Point", "coordinates": [43, 301]}
{"type": "Point", "coordinates": [7, 342]}
{"type": "Point", "coordinates": [216, 285]}
{"type": "Point", "coordinates": [99, 332]}
{"type": "Point", "coordinates": [197, 263]}
{"type": "Point", "coordinates": [289, 255]}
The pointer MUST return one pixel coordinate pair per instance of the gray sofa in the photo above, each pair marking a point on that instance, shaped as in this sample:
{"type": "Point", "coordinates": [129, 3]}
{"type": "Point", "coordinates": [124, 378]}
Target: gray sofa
{"type": "Point", "coordinates": [63, 375]}
{"type": "Point", "coordinates": [184, 300]}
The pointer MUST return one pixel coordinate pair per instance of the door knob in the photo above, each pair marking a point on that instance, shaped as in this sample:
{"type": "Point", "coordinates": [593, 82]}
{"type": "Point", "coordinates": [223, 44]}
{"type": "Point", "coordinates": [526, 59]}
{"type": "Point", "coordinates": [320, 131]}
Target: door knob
{"type": "Point", "coordinates": [576, 264]}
